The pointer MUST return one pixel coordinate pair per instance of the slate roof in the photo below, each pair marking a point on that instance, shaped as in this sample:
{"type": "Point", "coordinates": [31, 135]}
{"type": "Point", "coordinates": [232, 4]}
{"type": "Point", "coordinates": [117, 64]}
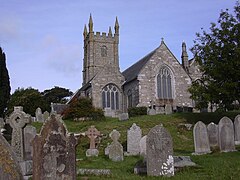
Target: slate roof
{"type": "Point", "coordinates": [132, 72]}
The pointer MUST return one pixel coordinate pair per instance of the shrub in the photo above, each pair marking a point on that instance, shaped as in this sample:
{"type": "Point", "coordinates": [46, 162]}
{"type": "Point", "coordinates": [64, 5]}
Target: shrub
{"type": "Point", "coordinates": [83, 108]}
{"type": "Point", "coordinates": [137, 111]}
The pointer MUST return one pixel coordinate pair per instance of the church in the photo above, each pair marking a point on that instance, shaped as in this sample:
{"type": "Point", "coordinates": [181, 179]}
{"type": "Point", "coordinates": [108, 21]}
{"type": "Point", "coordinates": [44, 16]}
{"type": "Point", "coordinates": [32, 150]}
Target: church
{"type": "Point", "coordinates": [158, 79]}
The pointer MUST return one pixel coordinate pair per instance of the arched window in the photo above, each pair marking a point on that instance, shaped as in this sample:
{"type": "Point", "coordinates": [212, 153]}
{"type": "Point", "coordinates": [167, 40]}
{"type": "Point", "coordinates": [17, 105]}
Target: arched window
{"type": "Point", "coordinates": [110, 97]}
{"type": "Point", "coordinates": [164, 84]}
{"type": "Point", "coordinates": [104, 51]}
{"type": "Point", "coordinates": [129, 95]}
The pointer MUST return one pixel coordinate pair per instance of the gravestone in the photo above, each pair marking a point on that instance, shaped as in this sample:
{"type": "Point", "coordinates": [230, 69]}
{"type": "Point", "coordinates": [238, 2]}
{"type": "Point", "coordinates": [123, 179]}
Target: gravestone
{"type": "Point", "coordinates": [123, 117]}
{"type": "Point", "coordinates": [39, 115]}
{"type": "Point", "coordinates": [152, 111]}
{"type": "Point", "coordinates": [168, 109]}
{"type": "Point", "coordinates": [92, 134]}
{"type": "Point", "coordinates": [237, 129]}
{"type": "Point", "coordinates": [9, 167]}
{"type": "Point", "coordinates": [226, 135]}
{"type": "Point", "coordinates": [54, 151]}
{"type": "Point", "coordinates": [212, 130]}
{"type": "Point", "coordinates": [115, 148]}
{"type": "Point", "coordinates": [134, 135]}
{"type": "Point", "coordinates": [29, 134]}
{"type": "Point", "coordinates": [18, 120]}
{"type": "Point", "coordinates": [142, 144]}
{"type": "Point", "coordinates": [45, 116]}
{"type": "Point", "coordinates": [201, 142]}
{"type": "Point", "coordinates": [2, 123]}
{"type": "Point", "coordinates": [159, 152]}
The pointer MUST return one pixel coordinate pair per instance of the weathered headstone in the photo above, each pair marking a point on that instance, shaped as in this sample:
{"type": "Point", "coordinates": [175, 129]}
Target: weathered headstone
{"type": "Point", "coordinates": [2, 123]}
{"type": "Point", "coordinates": [200, 135]}
{"type": "Point", "coordinates": [237, 129]}
{"type": "Point", "coordinates": [92, 134]}
{"type": "Point", "coordinates": [45, 116]}
{"type": "Point", "coordinates": [18, 120]}
{"type": "Point", "coordinates": [29, 134]}
{"type": "Point", "coordinates": [159, 152]}
{"type": "Point", "coordinates": [168, 109]}
{"type": "Point", "coordinates": [39, 115]}
{"type": "Point", "coordinates": [212, 130]}
{"type": "Point", "coordinates": [115, 148]}
{"type": "Point", "coordinates": [123, 117]}
{"type": "Point", "coordinates": [226, 135]}
{"type": "Point", "coordinates": [54, 152]}
{"type": "Point", "coordinates": [143, 146]}
{"type": "Point", "coordinates": [9, 167]}
{"type": "Point", "coordinates": [134, 135]}
{"type": "Point", "coordinates": [151, 111]}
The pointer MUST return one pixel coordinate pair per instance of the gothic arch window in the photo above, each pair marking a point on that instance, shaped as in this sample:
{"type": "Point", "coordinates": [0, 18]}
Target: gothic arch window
{"type": "Point", "coordinates": [110, 97]}
{"type": "Point", "coordinates": [104, 51]}
{"type": "Point", "coordinates": [129, 95]}
{"type": "Point", "coordinates": [165, 84]}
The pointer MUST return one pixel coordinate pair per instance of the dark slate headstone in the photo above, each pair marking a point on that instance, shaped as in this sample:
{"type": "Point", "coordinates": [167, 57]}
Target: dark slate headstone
{"type": "Point", "coordinates": [18, 120]}
{"type": "Point", "coordinates": [226, 135]}
{"type": "Point", "coordinates": [237, 129]}
{"type": "Point", "coordinates": [54, 151]}
{"type": "Point", "coordinates": [212, 130]}
{"type": "Point", "coordinates": [159, 152]}
{"type": "Point", "coordinates": [200, 135]}
{"type": "Point", "coordinates": [9, 167]}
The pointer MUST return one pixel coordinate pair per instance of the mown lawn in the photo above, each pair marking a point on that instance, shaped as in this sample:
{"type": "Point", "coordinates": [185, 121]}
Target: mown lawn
{"type": "Point", "coordinates": [212, 166]}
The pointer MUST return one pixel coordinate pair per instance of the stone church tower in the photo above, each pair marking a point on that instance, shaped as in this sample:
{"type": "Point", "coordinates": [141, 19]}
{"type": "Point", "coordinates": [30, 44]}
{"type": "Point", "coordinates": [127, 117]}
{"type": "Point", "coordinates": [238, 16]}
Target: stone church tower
{"type": "Point", "coordinates": [102, 79]}
{"type": "Point", "coordinates": [100, 50]}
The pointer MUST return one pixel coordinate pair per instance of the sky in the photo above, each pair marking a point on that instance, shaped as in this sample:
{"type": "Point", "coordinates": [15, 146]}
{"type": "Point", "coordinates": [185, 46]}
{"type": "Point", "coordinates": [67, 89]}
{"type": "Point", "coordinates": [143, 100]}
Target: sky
{"type": "Point", "coordinates": [43, 40]}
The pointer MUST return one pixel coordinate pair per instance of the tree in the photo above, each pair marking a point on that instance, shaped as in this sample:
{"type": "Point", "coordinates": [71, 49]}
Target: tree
{"type": "Point", "coordinates": [30, 99]}
{"type": "Point", "coordinates": [4, 83]}
{"type": "Point", "coordinates": [57, 95]}
{"type": "Point", "coordinates": [218, 54]}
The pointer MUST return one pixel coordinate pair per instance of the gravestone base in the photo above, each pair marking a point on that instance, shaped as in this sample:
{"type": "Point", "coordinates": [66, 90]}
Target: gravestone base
{"type": "Point", "coordinates": [26, 167]}
{"type": "Point", "coordinates": [201, 153]}
{"type": "Point", "coordinates": [96, 172]}
{"type": "Point", "coordinates": [237, 143]}
{"type": "Point", "coordinates": [131, 153]}
{"type": "Point", "coordinates": [123, 117]}
{"type": "Point", "coordinates": [92, 152]}
{"type": "Point", "coordinates": [179, 162]}
{"type": "Point", "coordinates": [151, 112]}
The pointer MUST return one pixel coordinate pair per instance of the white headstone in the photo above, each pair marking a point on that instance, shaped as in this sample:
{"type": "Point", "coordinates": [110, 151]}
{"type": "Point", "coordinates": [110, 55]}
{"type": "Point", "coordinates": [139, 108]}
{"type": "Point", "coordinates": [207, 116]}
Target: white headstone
{"type": "Point", "coordinates": [212, 134]}
{"type": "Point", "coordinates": [237, 129]}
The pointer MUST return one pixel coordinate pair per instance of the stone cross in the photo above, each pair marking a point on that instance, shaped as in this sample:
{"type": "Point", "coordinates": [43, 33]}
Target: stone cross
{"type": "Point", "coordinates": [92, 134]}
{"type": "Point", "coordinates": [115, 148]}
{"type": "Point", "coordinates": [18, 120]}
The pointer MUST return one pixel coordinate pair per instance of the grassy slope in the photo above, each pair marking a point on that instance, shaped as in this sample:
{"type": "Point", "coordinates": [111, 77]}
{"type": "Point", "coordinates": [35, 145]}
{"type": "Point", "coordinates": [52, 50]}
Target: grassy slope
{"type": "Point", "coordinates": [213, 166]}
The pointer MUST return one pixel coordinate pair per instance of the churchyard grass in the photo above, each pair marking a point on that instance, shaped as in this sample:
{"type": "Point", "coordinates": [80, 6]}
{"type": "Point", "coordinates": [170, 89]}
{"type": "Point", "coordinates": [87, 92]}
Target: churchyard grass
{"type": "Point", "coordinates": [211, 166]}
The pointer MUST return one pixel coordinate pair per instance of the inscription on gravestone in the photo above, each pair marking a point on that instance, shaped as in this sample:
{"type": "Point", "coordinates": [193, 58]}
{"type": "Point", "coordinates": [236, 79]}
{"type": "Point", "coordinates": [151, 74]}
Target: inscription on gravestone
{"type": "Point", "coordinates": [201, 141]}
{"type": "Point", "coordinates": [226, 135]}
{"type": "Point", "coordinates": [54, 152]}
{"type": "Point", "coordinates": [159, 152]}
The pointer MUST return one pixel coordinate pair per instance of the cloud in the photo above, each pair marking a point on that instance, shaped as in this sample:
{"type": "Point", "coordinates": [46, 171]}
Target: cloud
{"type": "Point", "coordinates": [9, 28]}
{"type": "Point", "coordinates": [62, 58]}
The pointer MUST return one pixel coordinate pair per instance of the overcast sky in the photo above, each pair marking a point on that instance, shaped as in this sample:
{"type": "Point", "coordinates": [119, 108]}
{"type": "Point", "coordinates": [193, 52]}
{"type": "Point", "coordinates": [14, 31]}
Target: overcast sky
{"type": "Point", "coordinates": [43, 39]}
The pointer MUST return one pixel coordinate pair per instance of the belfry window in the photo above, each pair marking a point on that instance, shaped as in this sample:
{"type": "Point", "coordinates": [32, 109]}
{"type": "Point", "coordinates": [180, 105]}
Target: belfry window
{"type": "Point", "coordinates": [164, 84]}
{"type": "Point", "coordinates": [104, 51]}
{"type": "Point", "coordinates": [110, 97]}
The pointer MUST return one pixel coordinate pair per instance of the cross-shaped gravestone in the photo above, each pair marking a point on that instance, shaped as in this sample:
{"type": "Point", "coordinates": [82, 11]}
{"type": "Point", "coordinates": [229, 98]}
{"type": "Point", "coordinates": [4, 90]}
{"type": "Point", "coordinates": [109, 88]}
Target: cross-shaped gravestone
{"type": "Point", "coordinates": [18, 120]}
{"type": "Point", "coordinates": [115, 148]}
{"type": "Point", "coordinates": [92, 134]}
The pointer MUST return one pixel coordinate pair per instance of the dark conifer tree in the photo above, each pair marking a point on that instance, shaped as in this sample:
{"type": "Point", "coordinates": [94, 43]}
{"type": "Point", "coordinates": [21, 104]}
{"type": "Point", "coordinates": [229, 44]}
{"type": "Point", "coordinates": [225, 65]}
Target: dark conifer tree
{"type": "Point", "coordinates": [4, 83]}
